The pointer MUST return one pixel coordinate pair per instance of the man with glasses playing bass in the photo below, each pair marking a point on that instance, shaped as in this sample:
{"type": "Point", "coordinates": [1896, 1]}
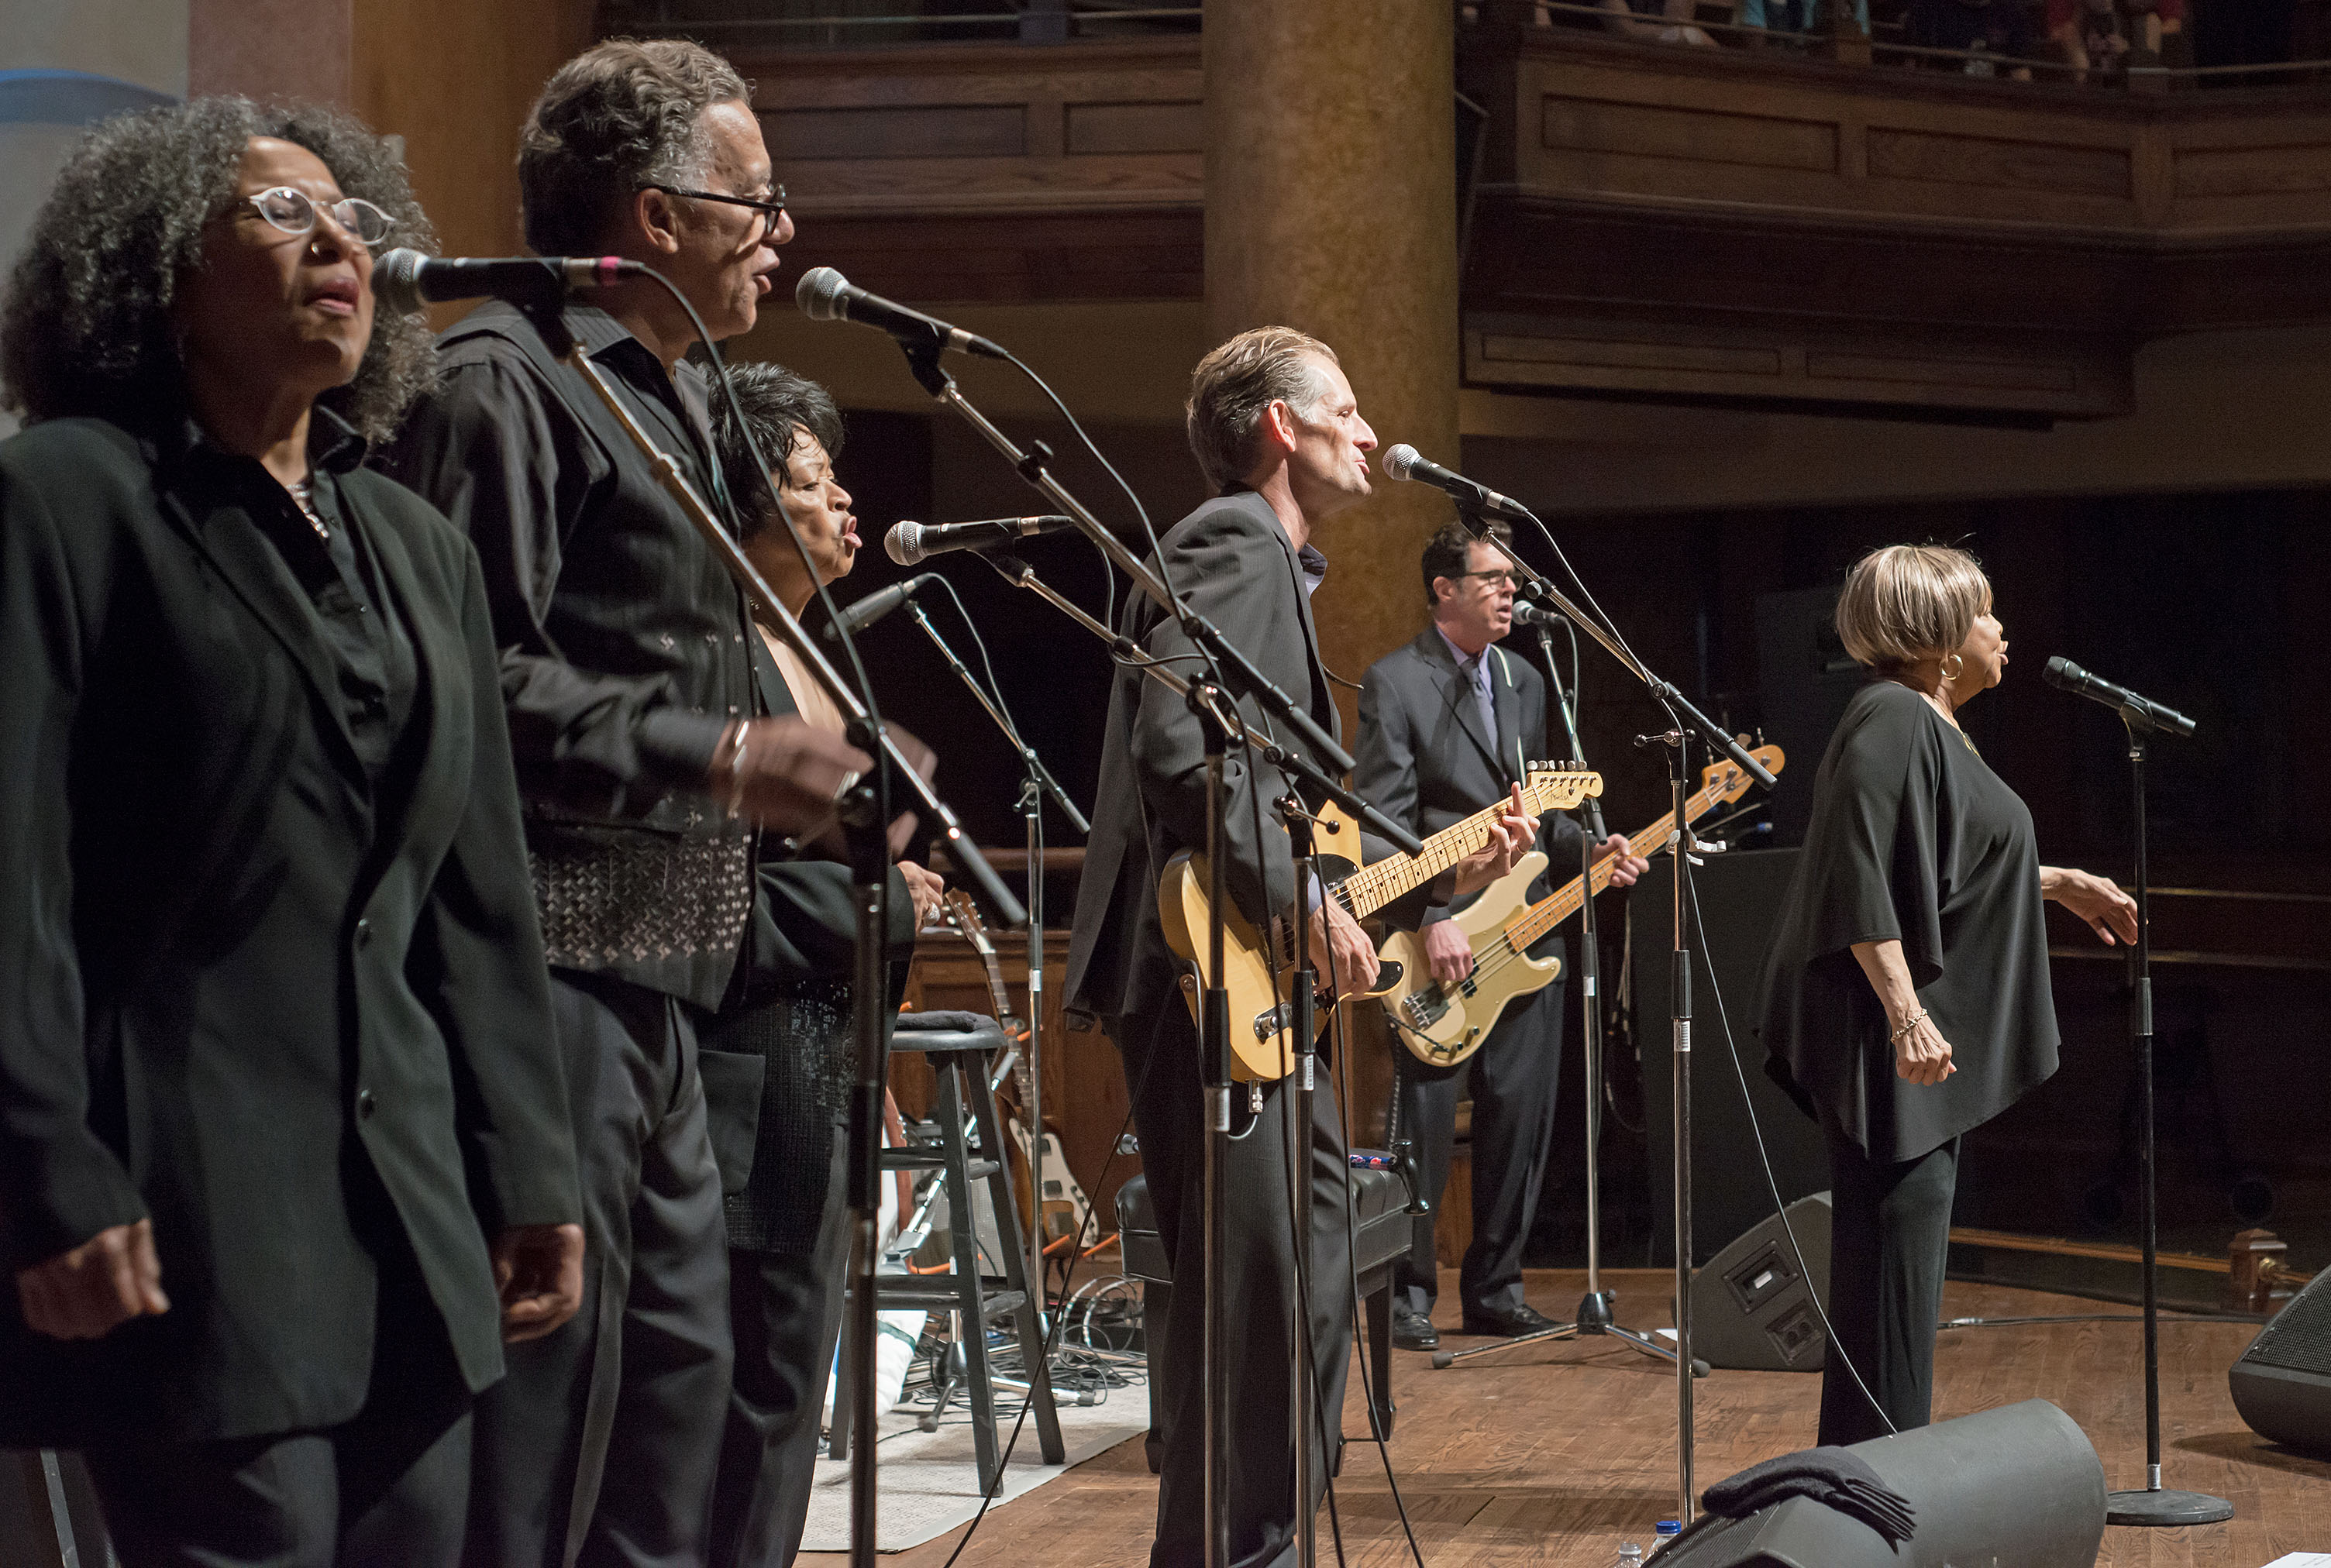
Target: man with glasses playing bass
{"type": "Point", "coordinates": [1445, 723]}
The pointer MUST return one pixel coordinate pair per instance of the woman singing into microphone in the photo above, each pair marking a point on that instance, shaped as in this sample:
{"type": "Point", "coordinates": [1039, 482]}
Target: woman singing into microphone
{"type": "Point", "coordinates": [1906, 993]}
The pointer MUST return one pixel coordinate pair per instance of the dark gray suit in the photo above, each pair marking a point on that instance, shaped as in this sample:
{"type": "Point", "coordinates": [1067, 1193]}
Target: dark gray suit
{"type": "Point", "coordinates": [1425, 760]}
{"type": "Point", "coordinates": [1235, 564]}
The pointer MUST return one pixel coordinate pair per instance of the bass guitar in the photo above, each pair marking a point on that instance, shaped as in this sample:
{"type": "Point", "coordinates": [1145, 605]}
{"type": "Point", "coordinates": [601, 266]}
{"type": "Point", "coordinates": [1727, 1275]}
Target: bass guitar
{"type": "Point", "coordinates": [1259, 970]}
{"type": "Point", "coordinates": [1444, 1023]}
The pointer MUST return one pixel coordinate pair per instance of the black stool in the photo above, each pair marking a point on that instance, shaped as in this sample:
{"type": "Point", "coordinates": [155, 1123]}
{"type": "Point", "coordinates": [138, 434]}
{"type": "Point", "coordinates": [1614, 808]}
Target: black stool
{"type": "Point", "coordinates": [958, 1046]}
{"type": "Point", "coordinates": [1381, 1228]}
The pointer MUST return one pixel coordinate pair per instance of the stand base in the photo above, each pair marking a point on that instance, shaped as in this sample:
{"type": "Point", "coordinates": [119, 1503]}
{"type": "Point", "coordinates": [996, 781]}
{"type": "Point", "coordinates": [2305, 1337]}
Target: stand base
{"type": "Point", "coordinates": [1594, 1318]}
{"type": "Point", "coordinates": [2165, 1510]}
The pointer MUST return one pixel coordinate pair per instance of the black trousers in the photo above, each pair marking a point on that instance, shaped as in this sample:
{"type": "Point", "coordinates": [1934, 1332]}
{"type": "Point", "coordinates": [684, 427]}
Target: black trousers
{"type": "Point", "coordinates": [1889, 1237]}
{"type": "Point", "coordinates": [600, 1445]}
{"type": "Point", "coordinates": [786, 1311]}
{"type": "Point", "coordinates": [1511, 1082]}
{"type": "Point", "coordinates": [391, 1485]}
{"type": "Point", "coordinates": [1162, 1073]}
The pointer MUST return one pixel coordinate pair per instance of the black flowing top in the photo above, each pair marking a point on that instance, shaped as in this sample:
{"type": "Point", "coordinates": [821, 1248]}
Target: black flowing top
{"type": "Point", "coordinates": [1913, 838]}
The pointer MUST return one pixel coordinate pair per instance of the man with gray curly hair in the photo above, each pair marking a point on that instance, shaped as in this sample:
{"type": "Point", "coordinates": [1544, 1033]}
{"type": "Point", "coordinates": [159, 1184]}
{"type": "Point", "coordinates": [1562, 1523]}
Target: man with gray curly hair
{"type": "Point", "coordinates": [647, 762]}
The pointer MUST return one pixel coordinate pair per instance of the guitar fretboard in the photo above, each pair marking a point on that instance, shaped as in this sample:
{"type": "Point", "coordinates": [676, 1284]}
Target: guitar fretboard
{"type": "Point", "coordinates": [1524, 928]}
{"type": "Point", "coordinates": [1371, 886]}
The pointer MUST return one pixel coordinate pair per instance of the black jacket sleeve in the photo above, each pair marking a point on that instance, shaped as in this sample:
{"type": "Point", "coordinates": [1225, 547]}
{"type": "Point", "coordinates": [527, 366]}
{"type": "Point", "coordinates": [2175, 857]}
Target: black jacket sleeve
{"type": "Point", "coordinates": [478, 950]}
{"type": "Point", "coordinates": [1235, 575]}
{"type": "Point", "coordinates": [497, 452]}
{"type": "Point", "coordinates": [60, 1184]}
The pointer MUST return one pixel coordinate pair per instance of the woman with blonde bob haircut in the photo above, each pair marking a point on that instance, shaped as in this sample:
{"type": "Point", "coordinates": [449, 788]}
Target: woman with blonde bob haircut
{"type": "Point", "coordinates": [1906, 994]}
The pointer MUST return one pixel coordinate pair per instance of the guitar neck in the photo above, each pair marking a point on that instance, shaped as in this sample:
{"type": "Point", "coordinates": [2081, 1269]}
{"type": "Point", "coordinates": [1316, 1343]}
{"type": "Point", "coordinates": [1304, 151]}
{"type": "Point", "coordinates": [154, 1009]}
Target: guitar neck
{"type": "Point", "coordinates": [1552, 910]}
{"type": "Point", "coordinates": [1371, 886]}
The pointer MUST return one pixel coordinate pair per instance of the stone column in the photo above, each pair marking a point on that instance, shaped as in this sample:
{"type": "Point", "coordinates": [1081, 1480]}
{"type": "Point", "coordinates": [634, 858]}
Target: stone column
{"type": "Point", "coordinates": [1331, 208]}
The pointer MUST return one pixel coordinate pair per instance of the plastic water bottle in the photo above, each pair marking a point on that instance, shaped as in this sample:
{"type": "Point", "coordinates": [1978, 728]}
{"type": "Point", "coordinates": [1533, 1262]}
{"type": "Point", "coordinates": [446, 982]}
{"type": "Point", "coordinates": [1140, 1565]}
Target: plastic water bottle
{"type": "Point", "coordinates": [1668, 1530]}
{"type": "Point", "coordinates": [1629, 1555]}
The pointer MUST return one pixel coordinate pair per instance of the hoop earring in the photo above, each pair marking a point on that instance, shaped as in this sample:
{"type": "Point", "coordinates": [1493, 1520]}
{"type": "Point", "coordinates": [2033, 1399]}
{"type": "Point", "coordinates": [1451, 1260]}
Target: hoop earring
{"type": "Point", "coordinates": [1954, 666]}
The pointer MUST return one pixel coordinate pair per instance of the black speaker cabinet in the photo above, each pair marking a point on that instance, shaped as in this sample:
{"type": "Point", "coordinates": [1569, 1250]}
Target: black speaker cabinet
{"type": "Point", "coordinates": [1753, 1304]}
{"type": "Point", "coordinates": [1738, 895]}
{"type": "Point", "coordinates": [2014, 1486]}
{"type": "Point", "coordinates": [2282, 1383]}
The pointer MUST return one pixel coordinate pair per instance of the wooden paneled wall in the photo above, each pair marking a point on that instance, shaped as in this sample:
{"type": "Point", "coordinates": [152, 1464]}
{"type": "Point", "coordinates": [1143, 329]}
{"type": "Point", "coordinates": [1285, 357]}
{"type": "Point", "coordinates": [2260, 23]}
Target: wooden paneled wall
{"type": "Point", "coordinates": [1701, 223]}
{"type": "Point", "coordinates": [455, 79]}
{"type": "Point", "coordinates": [994, 173]}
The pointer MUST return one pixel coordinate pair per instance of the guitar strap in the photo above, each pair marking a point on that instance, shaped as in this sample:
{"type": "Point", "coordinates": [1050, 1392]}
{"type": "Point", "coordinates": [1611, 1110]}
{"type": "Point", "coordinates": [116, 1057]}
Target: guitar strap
{"type": "Point", "coordinates": [1506, 673]}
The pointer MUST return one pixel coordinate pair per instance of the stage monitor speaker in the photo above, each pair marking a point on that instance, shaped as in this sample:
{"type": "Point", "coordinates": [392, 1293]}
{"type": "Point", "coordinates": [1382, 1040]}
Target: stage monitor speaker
{"type": "Point", "coordinates": [1739, 893]}
{"type": "Point", "coordinates": [1753, 1304]}
{"type": "Point", "coordinates": [2282, 1383]}
{"type": "Point", "coordinates": [2016, 1486]}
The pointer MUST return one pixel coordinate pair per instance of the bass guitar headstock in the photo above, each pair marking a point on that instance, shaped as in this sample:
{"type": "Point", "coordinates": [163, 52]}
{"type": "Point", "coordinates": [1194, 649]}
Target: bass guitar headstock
{"type": "Point", "coordinates": [1557, 787]}
{"type": "Point", "coordinates": [1724, 781]}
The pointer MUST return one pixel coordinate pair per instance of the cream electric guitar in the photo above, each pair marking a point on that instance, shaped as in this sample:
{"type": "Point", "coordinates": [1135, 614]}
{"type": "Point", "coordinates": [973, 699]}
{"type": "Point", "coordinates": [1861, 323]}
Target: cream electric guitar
{"type": "Point", "coordinates": [1442, 1024]}
{"type": "Point", "coordinates": [1258, 971]}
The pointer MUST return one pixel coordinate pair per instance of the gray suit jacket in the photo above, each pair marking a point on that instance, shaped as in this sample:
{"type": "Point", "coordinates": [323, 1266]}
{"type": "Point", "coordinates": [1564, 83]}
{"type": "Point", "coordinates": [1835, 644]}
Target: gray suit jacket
{"type": "Point", "coordinates": [1424, 761]}
{"type": "Point", "coordinates": [1234, 563]}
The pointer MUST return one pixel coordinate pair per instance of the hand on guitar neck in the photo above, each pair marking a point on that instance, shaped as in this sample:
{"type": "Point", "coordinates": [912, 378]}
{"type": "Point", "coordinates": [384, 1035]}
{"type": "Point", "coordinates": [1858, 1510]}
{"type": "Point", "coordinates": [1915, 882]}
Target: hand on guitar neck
{"type": "Point", "coordinates": [1512, 831]}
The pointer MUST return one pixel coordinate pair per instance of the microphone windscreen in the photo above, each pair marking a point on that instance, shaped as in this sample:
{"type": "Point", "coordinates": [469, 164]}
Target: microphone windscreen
{"type": "Point", "coordinates": [397, 280]}
{"type": "Point", "coordinates": [904, 543]}
{"type": "Point", "coordinates": [1400, 459]}
{"type": "Point", "coordinates": [2063, 671]}
{"type": "Point", "coordinates": [819, 293]}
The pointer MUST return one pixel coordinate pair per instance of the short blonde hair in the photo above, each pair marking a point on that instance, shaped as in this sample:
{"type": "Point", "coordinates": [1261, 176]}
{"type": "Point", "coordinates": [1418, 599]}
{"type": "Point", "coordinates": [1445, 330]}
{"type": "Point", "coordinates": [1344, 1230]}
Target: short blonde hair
{"type": "Point", "coordinates": [1905, 603]}
{"type": "Point", "coordinates": [1235, 385]}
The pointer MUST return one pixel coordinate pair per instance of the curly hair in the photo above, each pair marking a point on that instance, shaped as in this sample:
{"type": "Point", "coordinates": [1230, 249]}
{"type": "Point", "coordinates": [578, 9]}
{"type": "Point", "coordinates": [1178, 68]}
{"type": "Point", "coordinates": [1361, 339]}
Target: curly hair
{"type": "Point", "coordinates": [86, 328]}
{"type": "Point", "coordinates": [1236, 383]}
{"type": "Point", "coordinates": [625, 114]}
{"type": "Point", "coordinates": [778, 405]}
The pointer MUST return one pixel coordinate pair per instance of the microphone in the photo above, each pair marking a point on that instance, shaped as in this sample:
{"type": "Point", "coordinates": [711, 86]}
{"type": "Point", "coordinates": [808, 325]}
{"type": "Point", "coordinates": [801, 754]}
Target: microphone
{"type": "Point", "coordinates": [909, 543]}
{"type": "Point", "coordinates": [2140, 712]}
{"type": "Point", "coordinates": [404, 279]}
{"type": "Point", "coordinates": [823, 294]}
{"type": "Point", "coordinates": [1528, 614]}
{"type": "Point", "coordinates": [858, 616]}
{"type": "Point", "coordinates": [1404, 463]}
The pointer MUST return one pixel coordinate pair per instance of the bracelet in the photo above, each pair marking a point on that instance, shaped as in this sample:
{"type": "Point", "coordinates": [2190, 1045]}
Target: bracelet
{"type": "Point", "coordinates": [733, 742]}
{"type": "Point", "coordinates": [1909, 1023]}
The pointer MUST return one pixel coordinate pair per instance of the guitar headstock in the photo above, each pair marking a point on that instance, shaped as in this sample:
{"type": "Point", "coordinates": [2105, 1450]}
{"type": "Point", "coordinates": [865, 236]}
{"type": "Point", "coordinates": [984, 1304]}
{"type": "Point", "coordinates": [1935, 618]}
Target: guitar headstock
{"type": "Point", "coordinates": [1557, 786]}
{"type": "Point", "coordinates": [958, 909]}
{"type": "Point", "coordinates": [1724, 781]}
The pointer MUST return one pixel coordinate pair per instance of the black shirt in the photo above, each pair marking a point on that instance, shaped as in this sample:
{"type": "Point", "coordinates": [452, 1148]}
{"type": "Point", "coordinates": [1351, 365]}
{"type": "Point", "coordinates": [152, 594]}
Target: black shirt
{"type": "Point", "coordinates": [1914, 839]}
{"type": "Point", "coordinates": [338, 571]}
{"type": "Point", "coordinates": [624, 644]}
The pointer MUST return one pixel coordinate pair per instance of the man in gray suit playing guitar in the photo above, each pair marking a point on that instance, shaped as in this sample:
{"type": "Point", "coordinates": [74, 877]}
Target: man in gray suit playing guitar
{"type": "Point", "coordinates": [1445, 722]}
{"type": "Point", "coordinates": [1277, 429]}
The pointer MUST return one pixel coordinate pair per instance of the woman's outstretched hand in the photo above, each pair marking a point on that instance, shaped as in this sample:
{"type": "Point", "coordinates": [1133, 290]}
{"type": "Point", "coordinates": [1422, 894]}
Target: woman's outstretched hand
{"type": "Point", "coordinates": [2109, 912]}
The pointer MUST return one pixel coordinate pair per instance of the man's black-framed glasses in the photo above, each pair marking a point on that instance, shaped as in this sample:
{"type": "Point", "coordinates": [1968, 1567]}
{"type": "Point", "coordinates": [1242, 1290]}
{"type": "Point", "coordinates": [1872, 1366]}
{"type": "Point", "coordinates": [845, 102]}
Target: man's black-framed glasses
{"type": "Point", "coordinates": [770, 211]}
{"type": "Point", "coordinates": [1493, 576]}
{"type": "Point", "coordinates": [293, 211]}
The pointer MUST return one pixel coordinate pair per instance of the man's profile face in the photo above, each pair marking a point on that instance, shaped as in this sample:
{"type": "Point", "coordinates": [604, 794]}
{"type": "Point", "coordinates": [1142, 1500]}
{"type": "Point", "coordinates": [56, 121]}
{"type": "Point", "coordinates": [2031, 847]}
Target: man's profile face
{"type": "Point", "coordinates": [1328, 468]}
{"type": "Point", "coordinates": [727, 255]}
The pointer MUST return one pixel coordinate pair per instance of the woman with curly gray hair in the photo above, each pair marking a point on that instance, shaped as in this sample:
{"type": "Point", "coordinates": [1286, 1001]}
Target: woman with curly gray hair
{"type": "Point", "coordinates": [281, 1161]}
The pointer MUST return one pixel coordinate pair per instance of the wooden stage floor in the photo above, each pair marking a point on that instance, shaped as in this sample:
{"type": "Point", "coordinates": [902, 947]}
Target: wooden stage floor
{"type": "Point", "coordinates": [1557, 1452]}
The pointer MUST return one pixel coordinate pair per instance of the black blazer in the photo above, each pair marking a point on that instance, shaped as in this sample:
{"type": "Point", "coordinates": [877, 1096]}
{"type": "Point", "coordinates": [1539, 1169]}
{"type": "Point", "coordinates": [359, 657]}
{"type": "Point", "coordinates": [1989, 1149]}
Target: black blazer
{"type": "Point", "coordinates": [1233, 560]}
{"type": "Point", "coordinates": [229, 975]}
{"type": "Point", "coordinates": [1424, 761]}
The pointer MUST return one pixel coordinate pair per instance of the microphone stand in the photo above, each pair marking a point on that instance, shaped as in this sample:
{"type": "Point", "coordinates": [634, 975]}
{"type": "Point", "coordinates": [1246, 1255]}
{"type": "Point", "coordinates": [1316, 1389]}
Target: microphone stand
{"type": "Point", "coordinates": [1037, 782]}
{"type": "Point", "coordinates": [2153, 1506]}
{"type": "Point", "coordinates": [1684, 719]}
{"type": "Point", "coordinates": [864, 815]}
{"type": "Point", "coordinates": [1595, 1309]}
